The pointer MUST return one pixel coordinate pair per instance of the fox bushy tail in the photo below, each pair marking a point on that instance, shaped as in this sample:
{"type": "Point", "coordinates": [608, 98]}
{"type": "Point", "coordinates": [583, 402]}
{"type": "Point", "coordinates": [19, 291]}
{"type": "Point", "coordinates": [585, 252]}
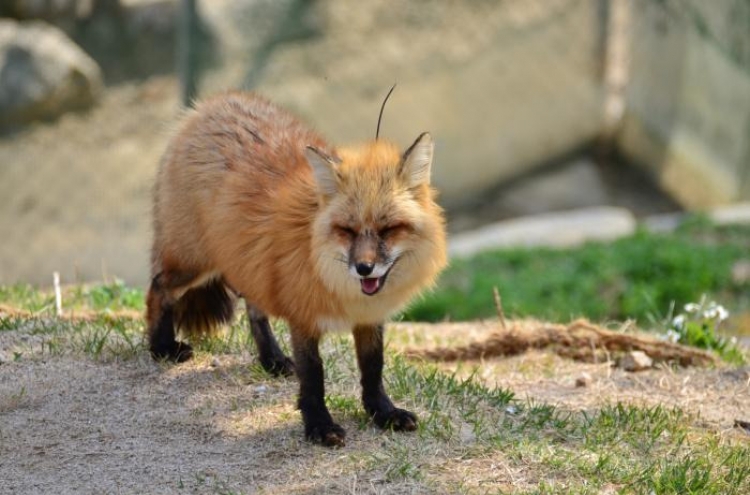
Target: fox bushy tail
{"type": "Point", "coordinates": [202, 310]}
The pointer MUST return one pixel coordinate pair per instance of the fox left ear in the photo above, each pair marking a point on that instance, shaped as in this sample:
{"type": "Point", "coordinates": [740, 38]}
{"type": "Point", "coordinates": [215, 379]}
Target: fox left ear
{"type": "Point", "coordinates": [324, 170]}
{"type": "Point", "coordinates": [417, 161]}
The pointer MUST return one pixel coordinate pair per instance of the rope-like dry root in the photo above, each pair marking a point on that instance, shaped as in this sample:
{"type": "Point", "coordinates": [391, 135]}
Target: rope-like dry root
{"type": "Point", "coordinates": [579, 340]}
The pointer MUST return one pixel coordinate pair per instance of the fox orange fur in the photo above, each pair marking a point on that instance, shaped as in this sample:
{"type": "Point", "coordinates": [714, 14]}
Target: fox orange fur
{"type": "Point", "coordinates": [250, 202]}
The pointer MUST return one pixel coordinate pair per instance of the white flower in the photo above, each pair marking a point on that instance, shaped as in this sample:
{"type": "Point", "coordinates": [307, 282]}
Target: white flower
{"type": "Point", "coordinates": [723, 313]}
{"type": "Point", "coordinates": [692, 307]}
{"type": "Point", "coordinates": [678, 321]}
{"type": "Point", "coordinates": [673, 336]}
{"type": "Point", "coordinates": [716, 312]}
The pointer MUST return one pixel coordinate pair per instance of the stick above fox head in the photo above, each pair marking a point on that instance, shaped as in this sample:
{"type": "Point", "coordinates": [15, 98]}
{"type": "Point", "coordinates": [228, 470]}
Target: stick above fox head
{"type": "Point", "coordinates": [250, 202]}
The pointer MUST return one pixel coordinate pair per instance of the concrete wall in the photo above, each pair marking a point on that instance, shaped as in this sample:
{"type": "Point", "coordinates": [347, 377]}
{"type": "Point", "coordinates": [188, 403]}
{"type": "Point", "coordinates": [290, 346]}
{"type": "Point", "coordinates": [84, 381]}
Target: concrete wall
{"type": "Point", "coordinates": [687, 102]}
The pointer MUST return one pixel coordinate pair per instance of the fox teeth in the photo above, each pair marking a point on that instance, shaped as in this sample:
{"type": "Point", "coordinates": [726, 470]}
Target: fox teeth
{"type": "Point", "coordinates": [370, 285]}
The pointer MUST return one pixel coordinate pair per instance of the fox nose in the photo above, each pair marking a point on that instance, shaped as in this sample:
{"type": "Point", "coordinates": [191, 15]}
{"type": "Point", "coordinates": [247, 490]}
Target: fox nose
{"type": "Point", "coordinates": [364, 269]}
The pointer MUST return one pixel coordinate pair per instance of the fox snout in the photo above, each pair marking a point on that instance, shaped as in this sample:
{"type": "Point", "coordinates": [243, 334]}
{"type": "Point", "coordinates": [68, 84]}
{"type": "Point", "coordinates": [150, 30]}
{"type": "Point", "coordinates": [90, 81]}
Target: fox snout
{"type": "Point", "coordinates": [369, 262]}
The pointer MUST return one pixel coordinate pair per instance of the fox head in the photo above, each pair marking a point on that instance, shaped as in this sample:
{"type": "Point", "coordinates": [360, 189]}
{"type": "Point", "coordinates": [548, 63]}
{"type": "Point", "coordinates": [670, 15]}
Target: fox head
{"type": "Point", "coordinates": [378, 229]}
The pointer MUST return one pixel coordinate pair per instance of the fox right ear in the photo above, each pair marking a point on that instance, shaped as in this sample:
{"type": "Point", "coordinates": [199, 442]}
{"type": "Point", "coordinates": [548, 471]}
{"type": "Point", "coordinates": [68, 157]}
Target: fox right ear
{"type": "Point", "coordinates": [417, 161]}
{"type": "Point", "coordinates": [324, 170]}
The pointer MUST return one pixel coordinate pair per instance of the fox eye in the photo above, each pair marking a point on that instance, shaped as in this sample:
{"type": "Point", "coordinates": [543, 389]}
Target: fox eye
{"type": "Point", "coordinates": [391, 229]}
{"type": "Point", "coordinates": [347, 231]}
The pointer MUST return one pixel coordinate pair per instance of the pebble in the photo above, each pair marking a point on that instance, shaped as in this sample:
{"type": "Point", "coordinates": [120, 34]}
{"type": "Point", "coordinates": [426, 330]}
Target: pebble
{"type": "Point", "coordinates": [583, 380]}
{"type": "Point", "coordinates": [741, 272]}
{"type": "Point", "coordinates": [635, 361]}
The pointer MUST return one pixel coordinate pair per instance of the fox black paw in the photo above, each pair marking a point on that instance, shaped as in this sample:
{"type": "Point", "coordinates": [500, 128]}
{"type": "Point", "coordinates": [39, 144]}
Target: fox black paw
{"type": "Point", "coordinates": [328, 434]}
{"type": "Point", "coordinates": [396, 420]}
{"type": "Point", "coordinates": [278, 366]}
{"type": "Point", "coordinates": [176, 352]}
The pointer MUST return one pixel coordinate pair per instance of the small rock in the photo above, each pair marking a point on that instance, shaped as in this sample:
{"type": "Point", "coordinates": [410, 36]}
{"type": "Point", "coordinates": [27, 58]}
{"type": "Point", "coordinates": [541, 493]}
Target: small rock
{"type": "Point", "coordinates": [741, 272]}
{"type": "Point", "coordinates": [636, 361]}
{"type": "Point", "coordinates": [743, 425]}
{"type": "Point", "coordinates": [466, 434]}
{"type": "Point", "coordinates": [584, 380]}
{"type": "Point", "coordinates": [215, 363]}
{"type": "Point", "coordinates": [260, 389]}
{"type": "Point", "coordinates": [3, 358]}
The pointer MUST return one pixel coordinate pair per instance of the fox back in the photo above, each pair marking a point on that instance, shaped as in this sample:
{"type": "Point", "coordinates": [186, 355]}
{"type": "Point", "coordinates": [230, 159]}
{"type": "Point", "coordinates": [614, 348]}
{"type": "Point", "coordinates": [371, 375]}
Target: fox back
{"type": "Point", "coordinates": [320, 236]}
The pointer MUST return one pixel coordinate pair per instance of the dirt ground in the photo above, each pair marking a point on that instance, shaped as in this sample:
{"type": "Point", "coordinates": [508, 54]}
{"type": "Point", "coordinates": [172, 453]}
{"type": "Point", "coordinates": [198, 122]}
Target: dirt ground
{"type": "Point", "coordinates": [71, 423]}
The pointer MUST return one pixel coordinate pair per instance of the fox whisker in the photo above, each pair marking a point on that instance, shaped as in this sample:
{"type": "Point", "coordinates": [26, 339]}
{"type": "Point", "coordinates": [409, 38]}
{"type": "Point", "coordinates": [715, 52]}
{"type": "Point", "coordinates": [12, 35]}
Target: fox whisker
{"type": "Point", "coordinates": [413, 257]}
{"type": "Point", "coordinates": [341, 259]}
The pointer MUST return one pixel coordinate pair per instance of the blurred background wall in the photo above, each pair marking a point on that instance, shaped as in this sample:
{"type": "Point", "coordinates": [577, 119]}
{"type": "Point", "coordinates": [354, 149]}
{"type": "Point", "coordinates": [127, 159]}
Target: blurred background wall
{"type": "Point", "coordinates": [535, 105]}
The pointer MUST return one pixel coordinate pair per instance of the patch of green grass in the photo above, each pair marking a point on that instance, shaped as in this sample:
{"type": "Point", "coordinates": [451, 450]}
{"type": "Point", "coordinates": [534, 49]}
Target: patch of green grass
{"type": "Point", "coordinates": [237, 338]}
{"type": "Point", "coordinates": [109, 296]}
{"type": "Point", "coordinates": [113, 295]}
{"type": "Point", "coordinates": [24, 296]}
{"type": "Point", "coordinates": [102, 338]}
{"type": "Point", "coordinates": [632, 278]}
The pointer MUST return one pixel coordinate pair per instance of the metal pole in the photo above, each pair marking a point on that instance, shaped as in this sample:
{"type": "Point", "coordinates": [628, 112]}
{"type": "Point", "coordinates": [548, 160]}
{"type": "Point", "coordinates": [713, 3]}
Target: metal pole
{"type": "Point", "coordinates": [187, 61]}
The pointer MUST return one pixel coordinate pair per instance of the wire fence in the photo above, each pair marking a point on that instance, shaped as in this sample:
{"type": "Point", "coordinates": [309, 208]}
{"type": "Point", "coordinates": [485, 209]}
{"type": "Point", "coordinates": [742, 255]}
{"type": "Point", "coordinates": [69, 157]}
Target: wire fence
{"type": "Point", "coordinates": [504, 86]}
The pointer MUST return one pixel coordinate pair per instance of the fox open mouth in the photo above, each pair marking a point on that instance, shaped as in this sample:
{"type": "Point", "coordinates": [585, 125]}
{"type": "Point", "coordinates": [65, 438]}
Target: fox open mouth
{"type": "Point", "coordinates": [371, 286]}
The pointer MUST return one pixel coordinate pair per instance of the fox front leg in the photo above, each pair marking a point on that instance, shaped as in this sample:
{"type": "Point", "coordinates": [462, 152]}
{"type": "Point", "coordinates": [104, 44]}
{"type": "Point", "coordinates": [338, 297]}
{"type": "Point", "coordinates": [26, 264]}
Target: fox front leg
{"type": "Point", "coordinates": [369, 343]}
{"type": "Point", "coordinates": [319, 426]}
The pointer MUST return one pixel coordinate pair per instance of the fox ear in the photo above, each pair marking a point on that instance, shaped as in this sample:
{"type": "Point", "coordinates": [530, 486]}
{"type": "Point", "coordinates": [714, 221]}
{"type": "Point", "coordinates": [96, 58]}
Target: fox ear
{"type": "Point", "coordinates": [417, 161]}
{"type": "Point", "coordinates": [324, 170]}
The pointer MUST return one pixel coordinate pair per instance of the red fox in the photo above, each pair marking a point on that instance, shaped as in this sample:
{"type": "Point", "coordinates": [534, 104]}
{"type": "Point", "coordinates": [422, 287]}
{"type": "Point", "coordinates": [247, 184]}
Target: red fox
{"type": "Point", "coordinates": [251, 203]}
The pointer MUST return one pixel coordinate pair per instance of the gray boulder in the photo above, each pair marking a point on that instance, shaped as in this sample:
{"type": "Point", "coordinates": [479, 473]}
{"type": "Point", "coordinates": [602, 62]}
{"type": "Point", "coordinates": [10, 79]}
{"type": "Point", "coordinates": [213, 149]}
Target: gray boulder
{"type": "Point", "coordinates": [42, 73]}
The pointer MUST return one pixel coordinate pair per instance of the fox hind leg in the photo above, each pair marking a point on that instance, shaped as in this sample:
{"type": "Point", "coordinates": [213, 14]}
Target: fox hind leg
{"type": "Point", "coordinates": [160, 316]}
{"type": "Point", "coordinates": [369, 345]}
{"type": "Point", "coordinates": [271, 357]}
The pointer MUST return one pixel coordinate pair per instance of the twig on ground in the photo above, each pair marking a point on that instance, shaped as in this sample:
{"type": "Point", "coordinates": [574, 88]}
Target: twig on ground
{"type": "Point", "coordinates": [579, 340]}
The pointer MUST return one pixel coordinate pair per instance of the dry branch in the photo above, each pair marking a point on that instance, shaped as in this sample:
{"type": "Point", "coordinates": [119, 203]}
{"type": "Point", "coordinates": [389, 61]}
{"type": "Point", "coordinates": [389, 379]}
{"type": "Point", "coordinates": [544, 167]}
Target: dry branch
{"type": "Point", "coordinates": [579, 340]}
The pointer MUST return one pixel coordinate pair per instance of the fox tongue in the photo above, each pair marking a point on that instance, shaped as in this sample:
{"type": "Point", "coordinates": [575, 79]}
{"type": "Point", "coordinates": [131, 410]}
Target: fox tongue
{"type": "Point", "coordinates": [370, 285]}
